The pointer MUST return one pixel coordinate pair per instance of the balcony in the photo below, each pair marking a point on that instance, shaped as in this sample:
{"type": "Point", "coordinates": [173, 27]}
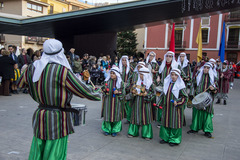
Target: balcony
{"type": "Point", "coordinates": [179, 45]}
{"type": "Point", "coordinates": [30, 40]}
{"type": "Point", "coordinates": [235, 45]}
{"type": "Point", "coordinates": [41, 40]}
{"type": "Point", "coordinates": [232, 17]}
{"type": "Point", "coordinates": [2, 38]}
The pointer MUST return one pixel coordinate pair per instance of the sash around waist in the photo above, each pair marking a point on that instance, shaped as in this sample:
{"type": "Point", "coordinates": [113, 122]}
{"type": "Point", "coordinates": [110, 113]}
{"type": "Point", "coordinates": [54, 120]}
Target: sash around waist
{"type": "Point", "coordinates": [51, 108]}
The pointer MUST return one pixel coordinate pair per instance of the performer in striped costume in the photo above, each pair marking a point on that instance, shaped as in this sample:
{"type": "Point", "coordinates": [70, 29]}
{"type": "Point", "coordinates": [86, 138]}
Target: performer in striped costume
{"type": "Point", "coordinates": [52, 84]}
{"type": "Point", "coordinates": [185, 66]}
{"type": "Point", "coordinates": [142, 115]}
{"type": "Point", "coordinates": [202, 119]}
{"type": "Point", "coordinates": [153, 66]}
{"type": "Point", "coordinates": [131, 81]}
{"type": "Point", "coordinates": [112, 108]}
{"type": "Point", "coordinates": [167, 65]}
{"type": "Point", "coordinates": [172, 101]}
{"type": "Point", "coordinates": [125, 71]}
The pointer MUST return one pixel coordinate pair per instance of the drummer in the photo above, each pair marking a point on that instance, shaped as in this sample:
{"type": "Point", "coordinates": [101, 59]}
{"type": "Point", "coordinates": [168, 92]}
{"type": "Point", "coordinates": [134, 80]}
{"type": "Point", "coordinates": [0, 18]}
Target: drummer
{"type": "Point", "coordinates": [112, 92]}
{"type": "Point", "coordinates": [152, 64]}
{"type": "Point", "coordinates": [131, 81]}
{"type": "Point", "coordinates": [202, 119]}
{"type": "Point", "coordinates": [52, 84]}
{"type": "Point", "coordinates": [125, 71]}
{"type": "Point", "coordinates": [172, 101]}
{"type": "Point", "coordinates": [167, 65]}
{"type": "Point", "coordinates": [214, 64]}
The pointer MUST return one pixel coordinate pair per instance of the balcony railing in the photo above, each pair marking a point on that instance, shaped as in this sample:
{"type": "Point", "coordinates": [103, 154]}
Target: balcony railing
{"type": "Point", "coordinates": [233, 45]}
{"type": "Point", "coordinates": [232, 17]}
{"type": "Point", "coordinates": [30, 39]}
{"type": "Point", "coordinates": [41, 40]}
{"type": "Point", "coordinates": [2, 39]}
{"type": "Point", "coordinates": [179, 44]}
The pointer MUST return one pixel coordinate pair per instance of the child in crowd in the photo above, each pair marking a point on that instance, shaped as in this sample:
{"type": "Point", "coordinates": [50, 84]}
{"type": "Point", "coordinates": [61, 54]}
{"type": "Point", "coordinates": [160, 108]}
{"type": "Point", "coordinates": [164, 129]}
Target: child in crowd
{"type": "Point", "coordinates": [95, 74]}
{"type": "Point", "coordinates": [14, 80]}
{"type": "Point", "coordinates": [86, 75]}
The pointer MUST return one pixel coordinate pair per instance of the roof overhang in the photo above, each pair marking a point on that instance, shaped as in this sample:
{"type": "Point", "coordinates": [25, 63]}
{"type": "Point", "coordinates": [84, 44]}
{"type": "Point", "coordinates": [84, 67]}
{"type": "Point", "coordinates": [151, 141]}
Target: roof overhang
{"type": "Point", "coordinates": [112, 18]}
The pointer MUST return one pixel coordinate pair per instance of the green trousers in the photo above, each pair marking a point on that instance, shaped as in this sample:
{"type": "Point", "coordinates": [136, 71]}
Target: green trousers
{"type": "Point", "coordinates": [159, 115]}
{"type": "Point", "coordinates": [128, 110]}
{"type": "Point", "coordinates": [48, 149]}
{"type": "Point", "coordinates": [112, 127]}
{"type": "Point", "coordinates": [171, 135]}
{"type": "Point", "coordinates": [201, 120]}
{"type": "Point", "coordinates": [146, 130]}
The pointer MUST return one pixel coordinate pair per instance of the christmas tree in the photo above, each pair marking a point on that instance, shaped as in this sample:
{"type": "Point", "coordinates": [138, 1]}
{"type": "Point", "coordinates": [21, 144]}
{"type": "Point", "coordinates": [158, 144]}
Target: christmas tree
{"type": "Point", "coordinates": [127, 43]}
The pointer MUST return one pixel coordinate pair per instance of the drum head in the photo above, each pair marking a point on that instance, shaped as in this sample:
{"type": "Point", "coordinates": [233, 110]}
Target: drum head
{"type": "Point", "coordinates": [78, 105]}
{"type": "Point", "coordinates": [199, 98]}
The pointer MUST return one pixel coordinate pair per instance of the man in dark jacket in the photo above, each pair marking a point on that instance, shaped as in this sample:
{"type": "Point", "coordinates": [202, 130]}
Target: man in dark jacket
{"type": "Point", "coordinates": [23, 59]}
{"type": "Point", "coordinates": [12, 49]}
{"type": "Point", "coordinates": [6, 72]}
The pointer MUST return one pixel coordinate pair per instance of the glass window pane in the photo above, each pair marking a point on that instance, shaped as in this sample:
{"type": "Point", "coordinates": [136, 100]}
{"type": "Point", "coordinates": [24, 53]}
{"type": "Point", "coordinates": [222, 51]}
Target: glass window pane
{"type": "Point", "coordinates": [34, 7]}
{"type": "Point", "coordinates": [39, 8]}
{"type": "Point", "coordinates": [29, 5]}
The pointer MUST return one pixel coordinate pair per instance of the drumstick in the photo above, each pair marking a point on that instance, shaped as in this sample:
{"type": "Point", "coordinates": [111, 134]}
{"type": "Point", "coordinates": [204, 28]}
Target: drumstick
{"type": "Point", "coordinates": [205, 90]}
{"type": "Point", "coordinates": [92, 84]}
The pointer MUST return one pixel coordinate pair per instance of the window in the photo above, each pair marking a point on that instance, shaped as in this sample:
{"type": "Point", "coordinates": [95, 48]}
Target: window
{"type": "Point", "coordinates": [34, 7]}
{"type": "Point", "coordinates": [233, 38]}
{"type": "Point", "coordinates": [51, 9]}
{"type": "Point", "coordinates": [75, 8]}
{"type": "Point", "coordinates": [205, 35]}
{"type": "Point", "coordinates": [179, 37]}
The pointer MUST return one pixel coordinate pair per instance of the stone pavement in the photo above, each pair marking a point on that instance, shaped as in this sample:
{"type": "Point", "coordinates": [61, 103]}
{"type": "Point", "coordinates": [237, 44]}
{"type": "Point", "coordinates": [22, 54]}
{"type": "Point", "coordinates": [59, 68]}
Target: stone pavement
{"type": "Point", "coordinates": [88, 142]}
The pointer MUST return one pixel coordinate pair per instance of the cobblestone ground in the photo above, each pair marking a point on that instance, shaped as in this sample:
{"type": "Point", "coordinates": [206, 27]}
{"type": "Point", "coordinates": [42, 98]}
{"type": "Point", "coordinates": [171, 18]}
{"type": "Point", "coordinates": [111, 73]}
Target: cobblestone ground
{"type": "Point", "coordinates": [88, 142]}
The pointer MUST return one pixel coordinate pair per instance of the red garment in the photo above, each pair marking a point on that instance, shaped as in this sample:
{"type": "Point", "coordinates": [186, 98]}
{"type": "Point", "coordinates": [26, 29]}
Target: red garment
{"type": "Point", "coordinates": [223, 83]}
{"type": "Point", "coordinates": [232, 75]}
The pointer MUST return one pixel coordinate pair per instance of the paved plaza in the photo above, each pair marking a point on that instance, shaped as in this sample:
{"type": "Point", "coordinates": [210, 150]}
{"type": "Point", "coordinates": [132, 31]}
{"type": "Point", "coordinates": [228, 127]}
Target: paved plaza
{"type": "Point", "coordinates": [88, 142]}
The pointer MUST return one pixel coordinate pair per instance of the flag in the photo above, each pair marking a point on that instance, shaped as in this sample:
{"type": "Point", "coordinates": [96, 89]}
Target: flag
{"type": "Point", "coordinates": [199, 42]}
{"type": "Point", "coordinates": [172, 43]}
{"type": "Point", "coordinates": [222, 45]}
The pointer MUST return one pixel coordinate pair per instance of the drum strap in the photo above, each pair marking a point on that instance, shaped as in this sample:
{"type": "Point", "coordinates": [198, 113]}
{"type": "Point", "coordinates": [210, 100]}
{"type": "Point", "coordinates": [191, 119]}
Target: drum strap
{"type": "Point", "coordinates": [51, 108]}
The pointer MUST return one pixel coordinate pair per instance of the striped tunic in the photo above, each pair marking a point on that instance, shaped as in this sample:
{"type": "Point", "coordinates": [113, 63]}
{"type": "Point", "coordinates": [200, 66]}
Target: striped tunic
{"type": "Point", "coordinates": [55, 87]}
{"type": "Point", "coordinates": [172, 117]}
{"type": "Point", "coordinates": [142, 113]}
{"type": "Point", "coordinates": [188, 73]}
{"type": "Point", "coordinates": [203, 85]}
{"type": "Point", "coordinates": [112, 107]}
{"type": "Point", "coordinates": [155, 67]}
{"type": "Point", "coordinates": [131, 81]}
{"type": "Point", "coordinates": [125, 76]}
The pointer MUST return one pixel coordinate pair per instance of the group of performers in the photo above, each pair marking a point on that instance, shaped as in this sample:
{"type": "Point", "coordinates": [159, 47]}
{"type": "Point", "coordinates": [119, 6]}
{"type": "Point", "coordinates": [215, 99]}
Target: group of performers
{"type": "Point", "coordinates": [130, 92]}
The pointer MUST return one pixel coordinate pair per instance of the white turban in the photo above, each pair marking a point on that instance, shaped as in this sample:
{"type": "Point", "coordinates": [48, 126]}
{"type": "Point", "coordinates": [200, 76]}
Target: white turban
{"type": "Point", "coordinates": [53, 52]}
{"type": "Point", "coordinates": [174, 64]}
{"type": "Point", "coordinates": [119, 79]}
{"type": "Point", "coordinates": [185, 62]}
{"type": "Point", "coordinates": [154, 59]}
{"type": "Point", "coordinates": [147, 79]}
{"type": "Point", "coordinates": [211, 74]}
{"type": "Point", "coordinates": [121, 66]}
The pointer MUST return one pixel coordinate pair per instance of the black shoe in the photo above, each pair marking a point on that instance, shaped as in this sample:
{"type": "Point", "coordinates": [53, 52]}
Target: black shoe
{"type": "Point", "coordinates": [218, 101]}
{"type": "Point", "coordinates": [225, 102]}
{"type": "Point", "coordinates": [13, 92]}
{"type": "Point", "coordinates": [191, 131]}
{"type": "Point", "coordinates": [173, 144]}
{"type": "Point", "coordinates": [16, 91]}
{"type": "Point", "coordinates": [208, 134]}
{"type": "Point", "coordinates": [162, 142]}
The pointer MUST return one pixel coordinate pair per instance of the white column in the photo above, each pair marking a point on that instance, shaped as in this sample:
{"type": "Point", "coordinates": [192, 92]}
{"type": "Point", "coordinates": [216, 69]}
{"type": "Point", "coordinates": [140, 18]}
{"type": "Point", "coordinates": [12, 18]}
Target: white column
{"type": "Point", "coordinates": [219, 31]}
{"type": "Point", "coordinates": [145, 38]}
{"type": "Point", "coordinates": [166, 36]}
{"type": "Point", "coordinates": [191, 34]}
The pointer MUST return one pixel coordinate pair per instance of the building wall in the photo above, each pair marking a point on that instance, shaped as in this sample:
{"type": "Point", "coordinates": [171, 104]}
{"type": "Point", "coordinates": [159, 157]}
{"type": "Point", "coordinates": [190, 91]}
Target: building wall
{"type": "Point", "coordinates": [12, 7]}
{"type": "Point", "coordinates": [58, 6]}
{"type": "Point", "coordinates": [158, 38]}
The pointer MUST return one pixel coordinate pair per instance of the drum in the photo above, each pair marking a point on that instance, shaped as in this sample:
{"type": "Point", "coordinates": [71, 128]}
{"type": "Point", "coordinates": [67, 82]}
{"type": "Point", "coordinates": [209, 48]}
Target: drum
{"type": "Point", "coordinates": [159, 90]}
{"type": "Point", "coordinates": [202, 100]}
{"type": "Point", "coordinates": [79, 119]}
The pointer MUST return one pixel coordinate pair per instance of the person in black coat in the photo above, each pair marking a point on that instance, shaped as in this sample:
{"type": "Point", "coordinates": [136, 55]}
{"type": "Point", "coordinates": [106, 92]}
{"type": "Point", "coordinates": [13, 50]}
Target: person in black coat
{"type": "Point", "coordinates": [6, 72]}
{"type": "Point", "coordinates": [23, 59]}
{"type": "Point", "coordinates": [12, 49]}
{"type": "Point", "coordinates": [94, 73]}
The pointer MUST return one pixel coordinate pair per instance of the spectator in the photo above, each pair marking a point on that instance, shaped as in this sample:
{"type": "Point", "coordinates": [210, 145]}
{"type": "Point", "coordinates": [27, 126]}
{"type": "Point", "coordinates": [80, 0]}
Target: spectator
{"type": "Point", "coordinates": [36, 55]}
{"type": "Point", "coordinates": [6, 72]}
{"type": "Point", "coordinates": [12, 50]}
{"type": "Point", "coordinates": [131, 59]}
{"type": "Point", "coordinates": [72, 55]}
{"type": "Point", "coordinates": [77, 67]}
{"type": "Point", "coordinates": [92, 60]}
{"type": "Point", "coordinates": [85, 61]}
{"type": "Point", "coordinates": [99, 61]}
{"type": "Point", "coordinates": [109, 61]}
{"type": "Point", "coordinates": [14, 80]}
{"type": "Point", "coordinates": [23, 59]}
{"type": "Point", "coordinates": [106, 72]}
{"type": "Point", "coordinates": [104, 62]}
{"type": "Point", "coordinates": [86, 75]}
{"type": "Point", "coordinates": [95, 73]}
{"type": "Point", "coordinates": [115, 63]}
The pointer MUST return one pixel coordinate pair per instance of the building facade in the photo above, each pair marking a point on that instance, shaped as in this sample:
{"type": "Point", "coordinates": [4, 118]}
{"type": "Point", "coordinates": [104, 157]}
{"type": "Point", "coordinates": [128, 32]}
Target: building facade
{"type": "Point", "coordinates": [157, 38]}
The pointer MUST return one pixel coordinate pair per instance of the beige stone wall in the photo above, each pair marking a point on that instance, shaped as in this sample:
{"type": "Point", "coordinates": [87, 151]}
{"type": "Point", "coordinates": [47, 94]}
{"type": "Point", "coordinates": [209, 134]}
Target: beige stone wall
{"type": "Point", "coordinates": [140, 39]}
{"type": "Point", "coordinates": [12, 7]}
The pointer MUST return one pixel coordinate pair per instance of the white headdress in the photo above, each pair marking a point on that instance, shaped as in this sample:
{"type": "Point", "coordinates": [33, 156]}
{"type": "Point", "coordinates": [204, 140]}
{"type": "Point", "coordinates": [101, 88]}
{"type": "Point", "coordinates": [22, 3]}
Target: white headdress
{"type": "Point", "coordinates": [174, 64]}
{"type": "Point", "coordinates": [139, 64]}
{"type": "Point", "coordinates": [53, 52]}
{"type": "Point", "coordinates": [185, 62]}
{"type": "Point", "coordinates": [211, 74]}
{"type": "Point", "coordinates": [121, 66]}
{"type": "Point", "coordinates": [119, 78]}
{"type": "Point", "coordinates": [147, 79]}
{"type": "Point", "coordinates": [154, 59]}
{"type": "Point", "coordinates": [213, 61]}
{"type": "Point", "coordinates": [179, 84]}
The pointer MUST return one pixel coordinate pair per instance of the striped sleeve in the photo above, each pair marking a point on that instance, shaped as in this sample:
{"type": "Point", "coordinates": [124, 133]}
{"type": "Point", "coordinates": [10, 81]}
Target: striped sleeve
{"type": "Point", "coordinates": [77, 87]}
{"type": "Point", "coordinates": [183, 97]}
{"type": "Point", "coordinates": [22, 81]}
